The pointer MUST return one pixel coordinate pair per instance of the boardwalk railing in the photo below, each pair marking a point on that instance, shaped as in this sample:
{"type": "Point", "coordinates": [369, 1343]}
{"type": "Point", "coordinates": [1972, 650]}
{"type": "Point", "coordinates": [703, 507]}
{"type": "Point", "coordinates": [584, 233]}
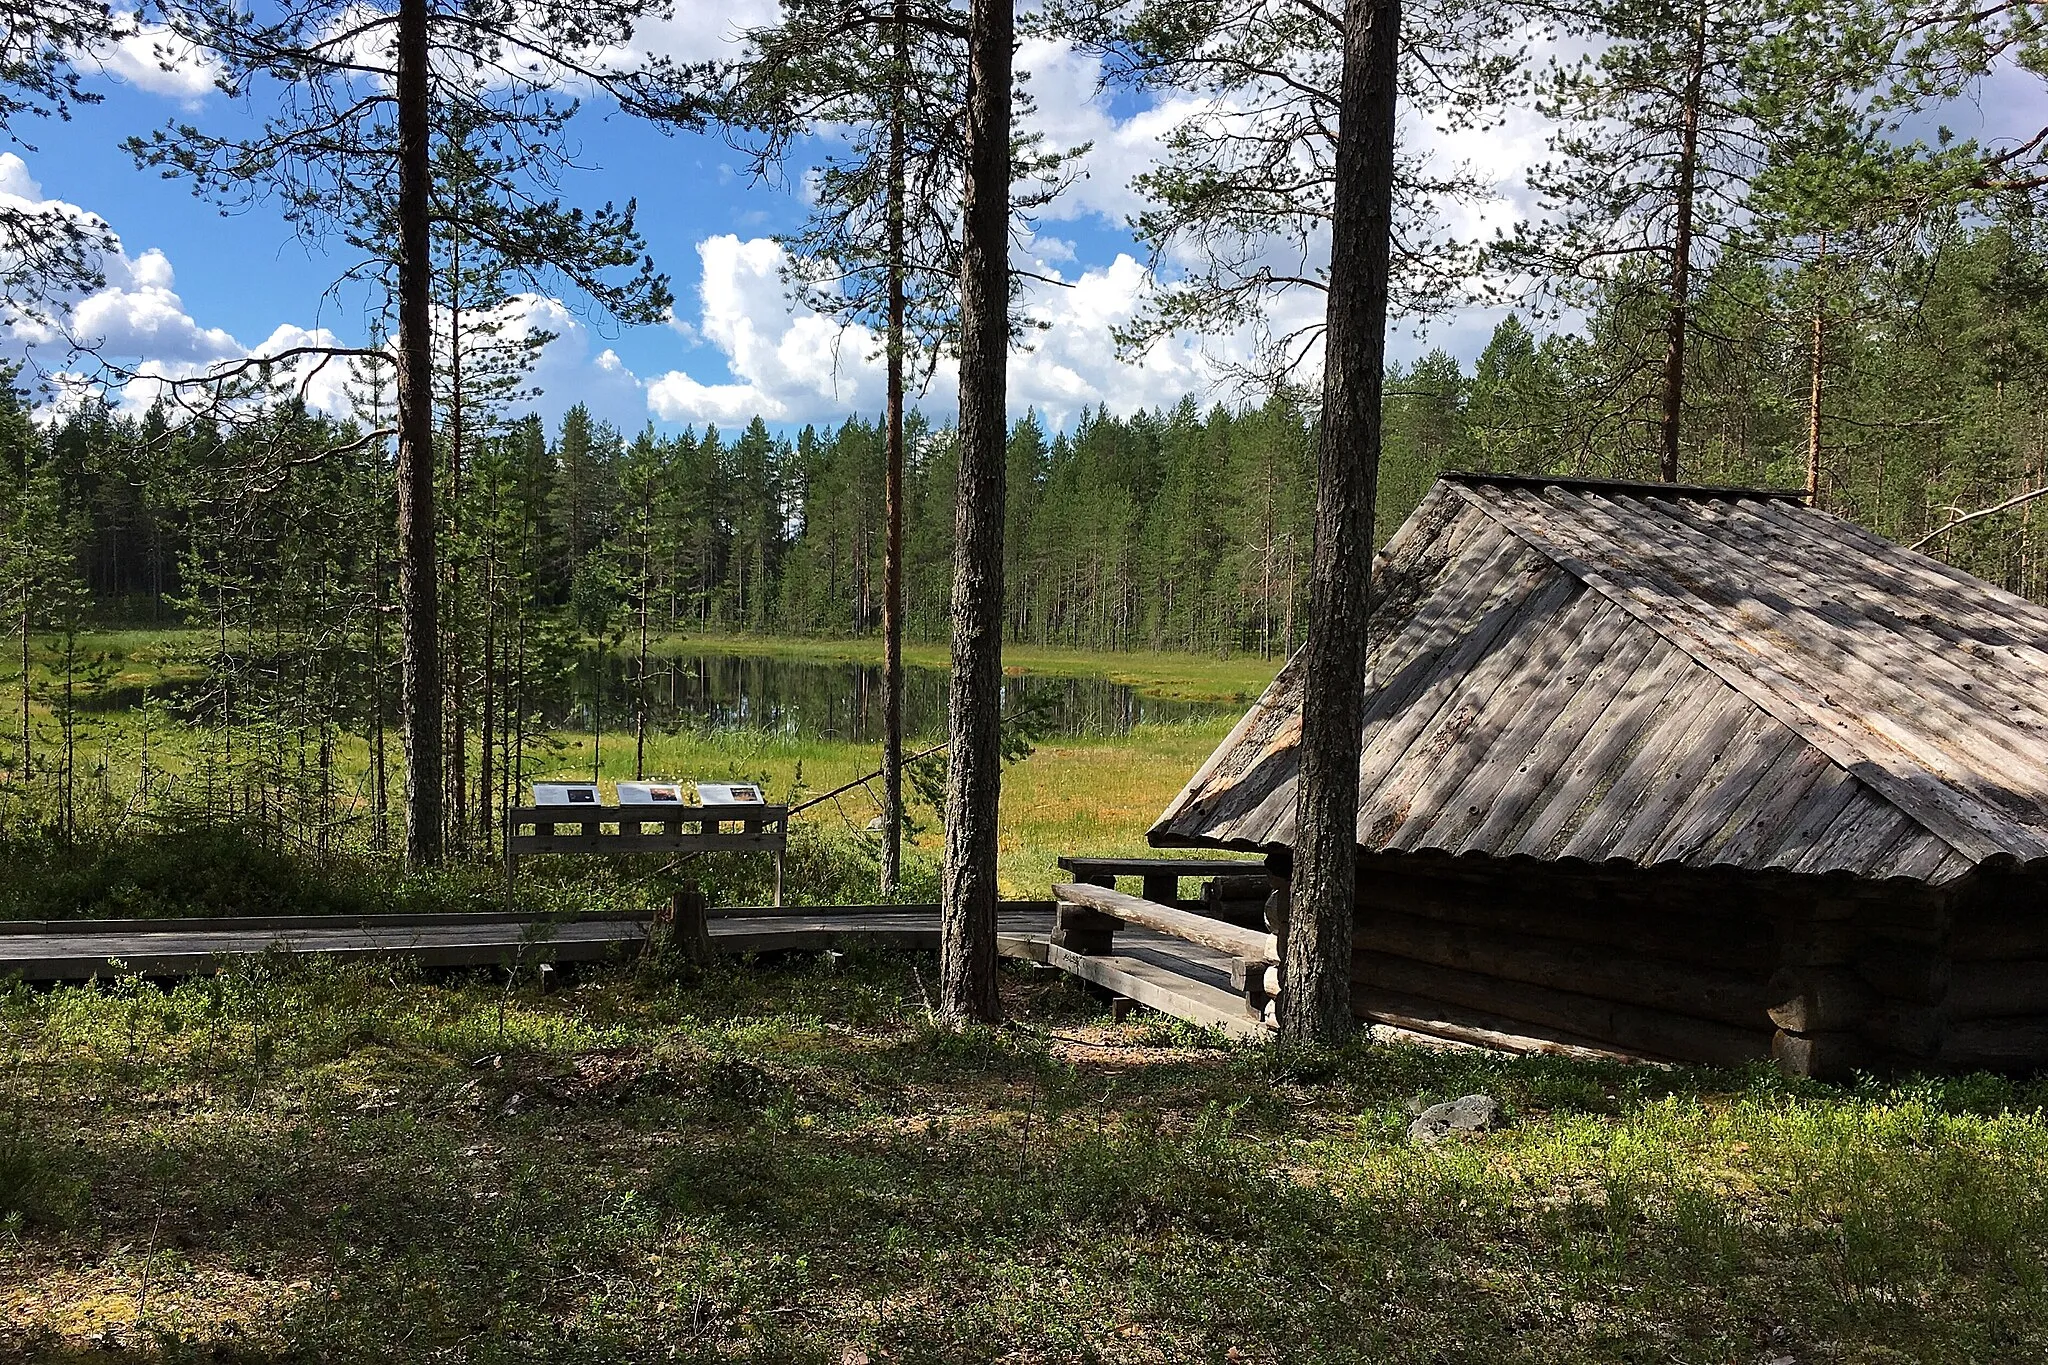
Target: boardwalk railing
{"type": "Point", "coordinates": [647, 829]}
{"type": "Point", "coordinates": [1086, 918]}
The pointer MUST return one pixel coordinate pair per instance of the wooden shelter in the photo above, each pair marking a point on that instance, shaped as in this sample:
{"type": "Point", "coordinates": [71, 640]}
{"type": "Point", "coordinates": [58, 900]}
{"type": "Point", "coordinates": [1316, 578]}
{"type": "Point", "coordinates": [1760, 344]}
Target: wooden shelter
{"type": "Point", "coordinates": [1699, 774]}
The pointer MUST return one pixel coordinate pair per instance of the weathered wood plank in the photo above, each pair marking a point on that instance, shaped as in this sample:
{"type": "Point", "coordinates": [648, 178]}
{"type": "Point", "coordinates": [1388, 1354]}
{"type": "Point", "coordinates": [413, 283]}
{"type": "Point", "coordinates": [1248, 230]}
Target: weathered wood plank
{"type": "Point", "coordinates": [1162, 989]}
{"type": "Point", "coordinates": [1461, 738]}
{"type": "Point", "coordinates": [1729, 729]}
{"type": "Point", "coordinates": [1249, 944]}
{"type": "Point", "coordinates": [1921, 642]}
{"type": "Point", "coordinates": [1661, 671]}
{"type": "Point", "coordinates": [1899, 759]}
{"type": "Point", "coordinates": [1543, 703]}
{"type": "Point", "coordinates": [1677, 745]}
{"type": "Point", "coordinates": [1742, 774]}
{"type": "Point", "coordinates": [1759, 822]}
{"type": "Point", "coordinates": [1476, 1028]}
{"type": "Point", "coordinates": [1528, 789]}
{"type": "Point", "coordinates": [1527, 591]}
{"type": "Point", "coordinates": [1953, 729]}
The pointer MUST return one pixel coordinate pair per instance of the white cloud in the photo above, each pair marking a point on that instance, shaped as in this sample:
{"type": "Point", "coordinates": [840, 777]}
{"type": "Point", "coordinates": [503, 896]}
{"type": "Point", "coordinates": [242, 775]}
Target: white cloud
{"type": "Point", "coordinates": [791, 365]}
{"type": "Point", "coordinates": [787, 363]}
{"type": "Point", "coordinates": [139, 315]}
{"type": "Point", "coordinates": [1063, 84]}
{"type": "Point", "coordinates": [137, 323]}
{"type": "Point", "coordinates": [15, 181]}
{"type": "Point", "coordinates": [701, 33]}
{"type": "Point", "coordinates": [568, 372]}
{"type": "Point", "coordinates": [150, 57]}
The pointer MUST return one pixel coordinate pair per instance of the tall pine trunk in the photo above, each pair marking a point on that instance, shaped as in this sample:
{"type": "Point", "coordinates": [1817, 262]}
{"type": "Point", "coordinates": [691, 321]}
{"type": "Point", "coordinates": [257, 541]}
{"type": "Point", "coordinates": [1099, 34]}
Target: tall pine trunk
{"type": "Point", "coordinates": [1816, 360]}
{"type": "Point", "coordinates": [892, 489]}
{"type": "Point", "coordinates": [1315, 1003]}
{"type": "Point", "coordinates": [419, 673]}
{"type": "Point", "coordinates": [967, 947]}
{"type": "Point", "coordinates": [1677, 317]}
{"type": "Point", "coordinates": [640, 669]}
{"type": "Point", "coordinates": [455, 683]}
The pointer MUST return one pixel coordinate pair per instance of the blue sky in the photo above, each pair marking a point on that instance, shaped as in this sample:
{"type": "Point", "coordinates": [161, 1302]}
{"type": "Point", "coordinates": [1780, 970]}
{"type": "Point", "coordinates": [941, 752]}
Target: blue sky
{"type": "Point", "coordinates": [192, 287]}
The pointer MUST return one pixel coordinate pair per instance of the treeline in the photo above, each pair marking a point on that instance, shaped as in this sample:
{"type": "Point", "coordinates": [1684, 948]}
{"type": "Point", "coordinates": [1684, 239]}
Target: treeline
{"type": "Point", "coordinates": [1184, 529]}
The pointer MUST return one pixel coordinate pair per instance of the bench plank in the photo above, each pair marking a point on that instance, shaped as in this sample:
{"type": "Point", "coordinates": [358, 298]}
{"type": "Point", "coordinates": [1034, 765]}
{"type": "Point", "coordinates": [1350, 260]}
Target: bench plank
{"type": "Point", "coordinates": [1249, 944]}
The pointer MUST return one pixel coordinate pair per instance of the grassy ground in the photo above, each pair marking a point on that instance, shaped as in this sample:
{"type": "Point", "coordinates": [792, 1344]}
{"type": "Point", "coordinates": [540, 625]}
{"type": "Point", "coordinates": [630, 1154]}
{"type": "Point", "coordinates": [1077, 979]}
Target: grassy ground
{"type": "Point", "coordinates": [1091, 795]}
{"type": "Point", "coordinates": [784, 1163]}
{"type": "Point", "coordinates": [1086, 795]}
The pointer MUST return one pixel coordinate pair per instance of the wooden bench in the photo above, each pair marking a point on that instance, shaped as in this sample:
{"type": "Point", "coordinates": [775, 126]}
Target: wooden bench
{"type": "Point", "coordinates": [647, 829]}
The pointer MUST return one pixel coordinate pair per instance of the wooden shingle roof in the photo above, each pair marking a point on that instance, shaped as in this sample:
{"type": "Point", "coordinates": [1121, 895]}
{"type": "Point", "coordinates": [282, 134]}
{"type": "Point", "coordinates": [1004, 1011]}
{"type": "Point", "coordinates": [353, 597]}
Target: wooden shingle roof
{"type": "Point", "coordinates": [1654, 675]}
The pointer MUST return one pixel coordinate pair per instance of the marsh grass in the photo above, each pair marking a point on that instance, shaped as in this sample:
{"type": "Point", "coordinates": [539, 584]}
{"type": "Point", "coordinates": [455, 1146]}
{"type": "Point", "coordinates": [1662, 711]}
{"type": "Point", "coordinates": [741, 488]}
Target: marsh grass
{"type": "Point", "coordinates": [786, 1161]}
{"type": "Point", "coordinates": [164, 845]}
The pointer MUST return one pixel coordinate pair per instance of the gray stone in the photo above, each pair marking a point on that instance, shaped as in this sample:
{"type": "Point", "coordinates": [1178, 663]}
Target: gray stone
{"type": "Point", "coordinates": [1467, 1114]}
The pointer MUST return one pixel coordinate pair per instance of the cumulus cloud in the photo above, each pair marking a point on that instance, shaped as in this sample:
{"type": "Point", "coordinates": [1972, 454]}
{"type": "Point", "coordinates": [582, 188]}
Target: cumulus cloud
{"type": "Point", "coordinates": [791, 365]}
{"type": "Point", "coordinates": [702, 33]}
{"type": "Point", "coordinates": [150, 57]}
{"type": "Point", "coordinates": [138, 326]}
{"type": "Point", "coordinates": [786, 362]}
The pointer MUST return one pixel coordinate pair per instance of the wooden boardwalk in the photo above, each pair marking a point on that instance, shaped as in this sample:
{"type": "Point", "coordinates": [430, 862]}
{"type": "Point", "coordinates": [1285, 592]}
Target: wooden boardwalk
{"type": "Point", "coordinates": [1167, 974]}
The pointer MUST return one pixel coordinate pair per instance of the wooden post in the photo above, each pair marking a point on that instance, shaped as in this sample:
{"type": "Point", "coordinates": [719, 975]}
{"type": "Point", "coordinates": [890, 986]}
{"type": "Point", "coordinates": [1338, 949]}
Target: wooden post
{"type": "Point", "coordinates": [1163, 887]}
{"type": "Point", "coordinates": [689, 913]}
{"type": "Point", "coordinates": [1260, 983]}
{"type": "Point", "coordinates": [1079, 929]}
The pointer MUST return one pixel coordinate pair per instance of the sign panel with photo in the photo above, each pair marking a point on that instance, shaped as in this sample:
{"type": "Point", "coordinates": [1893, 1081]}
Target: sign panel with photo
{"type": "Point", "coordinates": [650, 794]}
{"type": "Point", "coordinates": [565, 794]}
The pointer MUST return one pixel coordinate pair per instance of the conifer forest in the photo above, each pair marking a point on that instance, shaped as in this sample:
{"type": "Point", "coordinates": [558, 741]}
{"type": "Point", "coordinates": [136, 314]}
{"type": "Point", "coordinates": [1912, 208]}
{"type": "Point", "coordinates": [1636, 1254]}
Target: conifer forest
{"type": "Point", "coordinates": [798, 682]}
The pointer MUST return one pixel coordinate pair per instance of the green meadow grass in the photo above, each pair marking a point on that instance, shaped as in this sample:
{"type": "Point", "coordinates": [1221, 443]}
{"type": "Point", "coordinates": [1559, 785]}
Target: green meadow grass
{"type": "Point", "coordinates": [1094, 794]}
{"type": "Point", "coordinates": [784, 1162]}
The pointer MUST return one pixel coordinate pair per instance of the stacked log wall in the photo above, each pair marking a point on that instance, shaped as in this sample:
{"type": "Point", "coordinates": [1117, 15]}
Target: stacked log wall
{"type": "Point", "coordinates": [1578, 958]}
{"type": "Point", "coordinates": [1995, 1006]}
{"type": "Point", "coordinates": [1725, 969]}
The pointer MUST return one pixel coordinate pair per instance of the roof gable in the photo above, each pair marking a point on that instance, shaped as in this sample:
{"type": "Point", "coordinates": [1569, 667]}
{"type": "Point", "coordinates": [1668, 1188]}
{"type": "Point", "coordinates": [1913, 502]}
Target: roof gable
{"type": "Point", "coordinates": [1657, 674]}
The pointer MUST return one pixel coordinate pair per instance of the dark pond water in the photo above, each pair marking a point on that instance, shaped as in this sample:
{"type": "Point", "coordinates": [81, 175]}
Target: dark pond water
{"type": "Point", "coordinates": [827, 700]}
{"type": "Point", "coordinates": [844, 700]}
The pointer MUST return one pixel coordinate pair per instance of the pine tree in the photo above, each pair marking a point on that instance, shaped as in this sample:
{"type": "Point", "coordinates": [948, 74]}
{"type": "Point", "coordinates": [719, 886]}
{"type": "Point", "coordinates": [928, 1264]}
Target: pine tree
{"type": "Point", "coordinates": [349, 155]}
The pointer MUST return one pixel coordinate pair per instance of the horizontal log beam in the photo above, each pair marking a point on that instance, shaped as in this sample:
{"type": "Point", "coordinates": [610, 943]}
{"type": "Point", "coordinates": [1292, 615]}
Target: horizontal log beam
{"type": "Point", "coordinates": [1999, 1044]}
{"type": "Point", "coordinates": [1085, 866]}
{"type": "Point", "coordinates": [1710, 939]}
{"type": "Point", "coordinates": [1988, 990]}
{"type": "Point", "coordinates": [1625, 1028]}
{"type": "Point", "coordinates": [1731, 997]}
{"type": "Point", "coordinates": [1982, 935]}
{"type": "Point", "coordinates": [1478, 1028]}
{"type": "Point", "coordinates": [1248, 944]}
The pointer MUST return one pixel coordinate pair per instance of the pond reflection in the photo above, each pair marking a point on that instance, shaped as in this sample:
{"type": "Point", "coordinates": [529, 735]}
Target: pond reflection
{"type": "Point", "coordinates": [843, 700]}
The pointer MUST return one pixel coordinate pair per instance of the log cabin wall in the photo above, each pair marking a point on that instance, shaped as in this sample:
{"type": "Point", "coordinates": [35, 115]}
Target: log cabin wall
{"type": "Point", "coordinates": [1823, 974]}
{"type": "Point", "coordinates": [1994, 1008]}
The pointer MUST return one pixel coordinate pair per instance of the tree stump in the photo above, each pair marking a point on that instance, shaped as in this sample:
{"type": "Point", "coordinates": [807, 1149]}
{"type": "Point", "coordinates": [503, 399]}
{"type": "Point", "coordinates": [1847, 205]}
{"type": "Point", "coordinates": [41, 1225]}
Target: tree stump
{"type": "Point", "coordinates": [690, 926]}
